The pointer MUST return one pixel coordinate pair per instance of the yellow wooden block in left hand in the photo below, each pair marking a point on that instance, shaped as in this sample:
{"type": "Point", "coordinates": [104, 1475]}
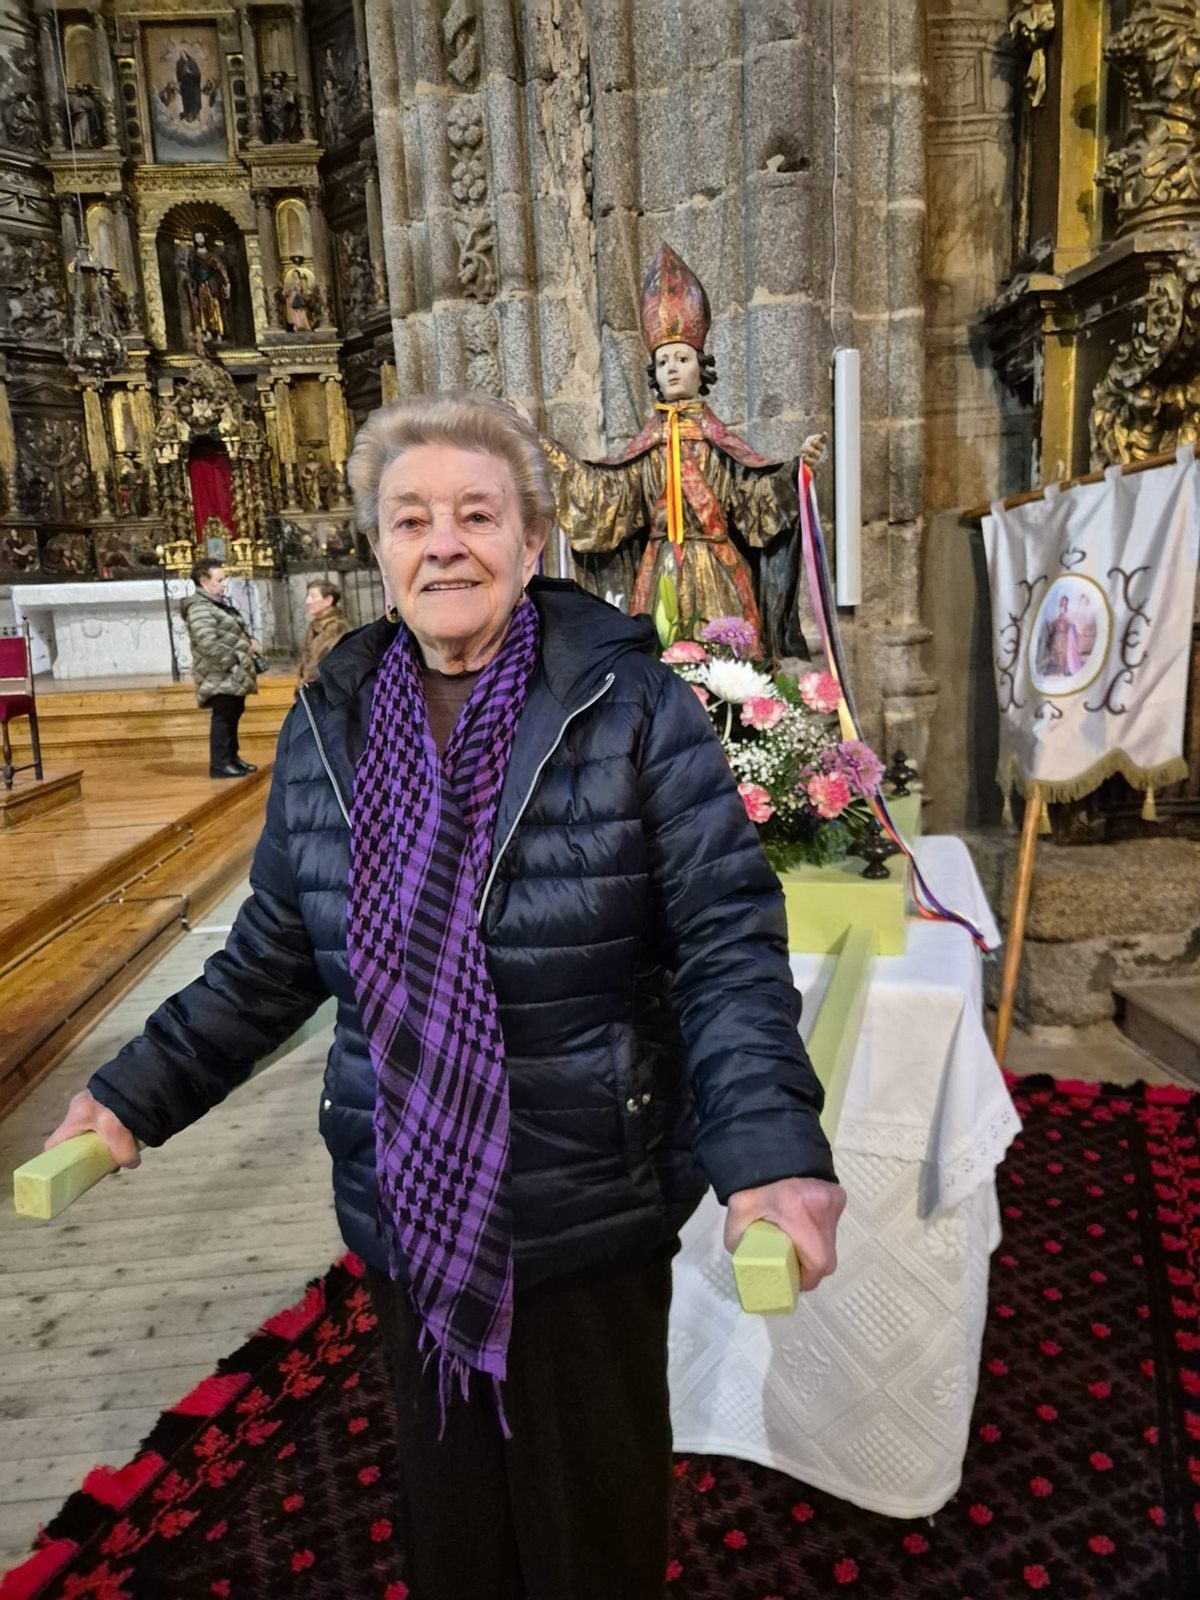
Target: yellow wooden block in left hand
{"type": "Point", "coordinates": [50, 1182]}
{"type": "Point", "coordinates": [766, 1269]}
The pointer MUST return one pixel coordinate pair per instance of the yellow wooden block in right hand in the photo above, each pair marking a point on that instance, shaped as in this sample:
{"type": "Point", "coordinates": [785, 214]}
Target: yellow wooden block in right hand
{"type": "Point", "coordinates": [50, 1182]}
{"type": "Point", "coordinates": [766, 1269]}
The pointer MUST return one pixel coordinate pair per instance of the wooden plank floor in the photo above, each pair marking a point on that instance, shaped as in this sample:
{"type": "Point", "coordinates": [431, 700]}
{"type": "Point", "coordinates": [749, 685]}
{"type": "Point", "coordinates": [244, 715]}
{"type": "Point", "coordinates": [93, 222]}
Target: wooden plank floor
{"type": "Point", "coordinates": [114, 1311]}
{"type": "Point", "coordinates": [124, 804]}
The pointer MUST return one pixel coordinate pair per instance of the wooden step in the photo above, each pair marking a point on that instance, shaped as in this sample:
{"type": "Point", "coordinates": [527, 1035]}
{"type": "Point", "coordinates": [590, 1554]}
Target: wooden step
{"type": "Point", "coordinates": [78, 725]}
{"type": "Point", "coordinates": [1163, 1019]}
{"type": "Point", "coordinates": [59, 987]}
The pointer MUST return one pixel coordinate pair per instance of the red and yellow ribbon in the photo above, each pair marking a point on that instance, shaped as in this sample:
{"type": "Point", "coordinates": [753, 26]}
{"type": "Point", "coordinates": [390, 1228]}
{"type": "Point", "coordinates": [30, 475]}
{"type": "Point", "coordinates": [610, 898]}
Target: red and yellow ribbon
{"type": "Point", "coordinates": [674, 491]}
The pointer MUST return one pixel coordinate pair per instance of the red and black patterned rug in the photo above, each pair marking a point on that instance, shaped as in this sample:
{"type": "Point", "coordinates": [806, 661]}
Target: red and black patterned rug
{"type": "Point", "coordinates": [1082, 1478]}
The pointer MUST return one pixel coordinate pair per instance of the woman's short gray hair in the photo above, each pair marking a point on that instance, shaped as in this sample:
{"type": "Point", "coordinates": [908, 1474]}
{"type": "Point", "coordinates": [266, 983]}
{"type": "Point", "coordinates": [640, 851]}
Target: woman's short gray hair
{"type": "Point", "coordinates": [461, 419]}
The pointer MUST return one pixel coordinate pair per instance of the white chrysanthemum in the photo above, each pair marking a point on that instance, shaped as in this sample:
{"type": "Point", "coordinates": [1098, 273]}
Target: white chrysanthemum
{"type": "Point", "coordinates": [735, 681]}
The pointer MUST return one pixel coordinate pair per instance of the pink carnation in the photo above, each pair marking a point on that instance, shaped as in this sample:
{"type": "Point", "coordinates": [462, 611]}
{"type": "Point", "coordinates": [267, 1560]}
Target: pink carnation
{"type": "Point", "coordinates": [684, 650]}
{"type": "Point", "coordinates": [762, 712]}
{"type": "Point", "coordinates": [860, 766]}
{"type": "Point", "coordinates": [828, 794]}
{"type": "Point", "coordinates": [758, 802]}
{"type": "Point", "coordinates": [819, 691]}
{"type": "Point", "coordinates": [700, 692]}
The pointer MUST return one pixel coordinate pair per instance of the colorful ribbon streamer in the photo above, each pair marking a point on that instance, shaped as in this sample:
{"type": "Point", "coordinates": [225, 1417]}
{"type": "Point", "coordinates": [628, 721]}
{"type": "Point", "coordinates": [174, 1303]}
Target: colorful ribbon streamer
{"type": "Point", "coordinates": [816, 566]}
{"type": "Point", "coordinates": [674, 492]}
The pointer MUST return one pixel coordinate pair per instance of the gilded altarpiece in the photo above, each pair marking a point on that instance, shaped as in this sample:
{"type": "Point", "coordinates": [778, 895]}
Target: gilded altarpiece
{"type": "Point", "coordinates": [1098, 330]}
{"type": "Point", "coordinates": [191, 281]}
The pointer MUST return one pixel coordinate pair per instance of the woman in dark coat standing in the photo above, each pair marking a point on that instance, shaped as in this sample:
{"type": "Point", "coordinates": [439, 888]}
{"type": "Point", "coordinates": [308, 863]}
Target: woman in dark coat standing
{"type": "Point", "coordinates": [508, 842]}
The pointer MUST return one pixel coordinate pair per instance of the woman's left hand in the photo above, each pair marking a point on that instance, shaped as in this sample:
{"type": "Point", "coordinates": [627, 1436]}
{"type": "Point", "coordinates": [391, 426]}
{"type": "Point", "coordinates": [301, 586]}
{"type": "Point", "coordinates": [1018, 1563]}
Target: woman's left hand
{"type": "Point", "coordinates": [807, 1209]}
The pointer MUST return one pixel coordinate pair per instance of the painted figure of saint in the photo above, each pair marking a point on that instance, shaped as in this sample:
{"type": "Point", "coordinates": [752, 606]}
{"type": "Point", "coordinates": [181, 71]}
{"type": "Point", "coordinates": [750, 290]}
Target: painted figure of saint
{"type": "Point", "coordinates": [187, 76]}
{"type": "Point", "coordinates": [1059, 652]}
{"type": "Point", "coordinates": [687, 498]}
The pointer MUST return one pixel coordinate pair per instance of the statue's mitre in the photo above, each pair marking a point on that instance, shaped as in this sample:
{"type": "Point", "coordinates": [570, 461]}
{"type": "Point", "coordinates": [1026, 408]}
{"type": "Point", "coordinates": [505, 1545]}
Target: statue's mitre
{"type": "Point", "coordinates": [674, 304]}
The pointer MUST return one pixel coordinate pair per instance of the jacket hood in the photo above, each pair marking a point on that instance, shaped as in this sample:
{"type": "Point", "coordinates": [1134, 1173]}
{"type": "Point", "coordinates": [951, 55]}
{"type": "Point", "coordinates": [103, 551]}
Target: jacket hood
{"type": "Point", "coordinates": [582, 636]}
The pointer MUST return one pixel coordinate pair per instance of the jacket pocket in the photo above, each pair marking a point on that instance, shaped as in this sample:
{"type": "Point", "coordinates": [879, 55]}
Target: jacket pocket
{"type": "Point", "coordinates": [634, 1100]}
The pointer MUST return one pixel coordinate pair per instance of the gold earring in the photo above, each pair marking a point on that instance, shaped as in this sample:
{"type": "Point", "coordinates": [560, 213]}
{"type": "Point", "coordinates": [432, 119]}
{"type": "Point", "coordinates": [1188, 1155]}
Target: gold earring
{"type": "Point", "coordinates": [392, 614]}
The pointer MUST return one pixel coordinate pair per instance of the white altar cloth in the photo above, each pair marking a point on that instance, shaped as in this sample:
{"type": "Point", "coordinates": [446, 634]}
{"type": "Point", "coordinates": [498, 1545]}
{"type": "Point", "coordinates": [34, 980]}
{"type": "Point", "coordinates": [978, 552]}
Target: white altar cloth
{"type": "Point", "coordinates": [102, 630]}
{"type": "Point", "coordinates": [867, 1390]}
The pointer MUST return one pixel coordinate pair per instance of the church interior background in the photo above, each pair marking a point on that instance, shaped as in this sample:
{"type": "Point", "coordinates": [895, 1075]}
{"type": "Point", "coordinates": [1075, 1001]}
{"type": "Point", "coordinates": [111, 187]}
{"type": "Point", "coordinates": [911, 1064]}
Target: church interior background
{"type": "Point", "coordinates": [227, 231]}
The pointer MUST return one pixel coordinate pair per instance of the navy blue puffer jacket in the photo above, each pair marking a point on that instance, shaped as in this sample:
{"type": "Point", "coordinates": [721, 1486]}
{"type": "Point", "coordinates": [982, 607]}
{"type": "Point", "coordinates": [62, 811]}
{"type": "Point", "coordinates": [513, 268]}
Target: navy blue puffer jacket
{"type": "Point", "coordinates": [634, 933]}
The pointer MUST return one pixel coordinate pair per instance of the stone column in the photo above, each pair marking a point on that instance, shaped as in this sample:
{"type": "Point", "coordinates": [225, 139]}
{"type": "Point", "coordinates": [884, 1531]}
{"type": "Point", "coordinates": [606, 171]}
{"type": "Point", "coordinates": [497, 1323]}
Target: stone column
{"type": "Point", "coordinates": [109, 97]}
{"type": "Point", "coordinates": [304, 76]}
{"type": "Point", "coordinates": [52, 79]}
{"type": "Point", "coordinates": [322, 264]}
{"type": "Point", "coordinates": [268, 244]}
{"type": "Point", "coordinates": [253, 81]}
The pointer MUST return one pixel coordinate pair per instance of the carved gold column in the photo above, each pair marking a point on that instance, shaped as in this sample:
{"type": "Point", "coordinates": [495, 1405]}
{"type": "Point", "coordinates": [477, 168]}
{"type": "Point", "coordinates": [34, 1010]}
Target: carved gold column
{"type": "Point", "coordinates": [8, 447]}
{"type": "Point", "coordinates": [268, 244]}
{"type": "Point", "coordinates": [111, 99]}
{"type": "Point", "coordinates": [304, 75]}
{"type": "Point", "coordinates": [285, 435]}
{"type": "Point", "coordinates": [99, 458]}
{"type": "Point", "coordinates": [338, 432]}
{"type": "Point", "coordinates": [389, 387]}
{"type": "Point", "coordinates": [127, 256]}
{"type": "Point", "coordinates": [52, 77]}
{"type": "Point", "coordinates": [156, 316]}
{"type": "Point", "coordinates": [322, 262]}
{"type": "Point", "coordinates": [253, 81]}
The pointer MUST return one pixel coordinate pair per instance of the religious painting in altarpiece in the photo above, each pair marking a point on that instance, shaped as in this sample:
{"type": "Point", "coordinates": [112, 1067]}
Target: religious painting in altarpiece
{"type": "Point", "coordinates": [185, 91]}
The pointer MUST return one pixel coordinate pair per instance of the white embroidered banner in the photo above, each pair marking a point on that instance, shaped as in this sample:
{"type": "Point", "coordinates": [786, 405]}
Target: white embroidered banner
{"type": "Point", "coordinates": [1093, 597]}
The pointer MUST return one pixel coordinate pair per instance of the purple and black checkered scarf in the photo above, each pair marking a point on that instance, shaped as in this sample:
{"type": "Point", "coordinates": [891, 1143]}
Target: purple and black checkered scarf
{"type": "Point", "coordinates": [421, 843]}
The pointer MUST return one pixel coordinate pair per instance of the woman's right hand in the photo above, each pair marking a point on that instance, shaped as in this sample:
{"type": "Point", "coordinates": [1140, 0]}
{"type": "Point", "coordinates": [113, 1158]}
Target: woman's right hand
{"type": "Point", "coordinates": [85, 1114]}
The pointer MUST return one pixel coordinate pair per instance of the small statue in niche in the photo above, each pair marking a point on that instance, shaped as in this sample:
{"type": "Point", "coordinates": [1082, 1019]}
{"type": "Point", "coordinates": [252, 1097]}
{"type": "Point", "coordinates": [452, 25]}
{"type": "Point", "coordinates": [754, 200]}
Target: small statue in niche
{"type": "Point", "coordinates": [310, 482]}
{"type": "Point", "coordinates": [331, 101]}
{"type": "Point", "coordinates": [23, 122]}
{"type": "Point", "coordinates": [208, 287]}
{"type": "Point", "coordinates": [17, 553]}
{"type": "Point", "coordinates": [131, 485]}
{"type": "Point", "coordinates": [87, 127]}
{"type": "Point", "coordinates": [281, 111]}
{"type": "Point", "coordinates": [724, 528]}
{"type": "Point", "coordinates": [298, 300]}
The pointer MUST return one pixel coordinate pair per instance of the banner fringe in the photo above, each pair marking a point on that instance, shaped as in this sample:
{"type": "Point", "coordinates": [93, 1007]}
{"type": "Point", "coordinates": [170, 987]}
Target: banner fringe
{"type": "Point", "coordinates": [1115, 764]}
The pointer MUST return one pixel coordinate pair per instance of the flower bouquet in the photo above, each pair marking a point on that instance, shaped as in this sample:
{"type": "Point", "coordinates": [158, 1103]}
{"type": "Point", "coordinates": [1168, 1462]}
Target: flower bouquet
{"type": "Point", "coordinates": [805, 787]}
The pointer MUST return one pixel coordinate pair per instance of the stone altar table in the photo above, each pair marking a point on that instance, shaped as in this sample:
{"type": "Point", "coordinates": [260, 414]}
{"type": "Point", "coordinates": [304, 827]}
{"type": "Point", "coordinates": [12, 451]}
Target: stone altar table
{"type": "Point", "coordinates": [103, 630]}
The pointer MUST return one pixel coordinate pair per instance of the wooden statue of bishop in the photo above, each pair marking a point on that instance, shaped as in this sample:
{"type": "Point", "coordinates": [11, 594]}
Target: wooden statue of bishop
{"type": "Point", "coordinates": [687, 498]}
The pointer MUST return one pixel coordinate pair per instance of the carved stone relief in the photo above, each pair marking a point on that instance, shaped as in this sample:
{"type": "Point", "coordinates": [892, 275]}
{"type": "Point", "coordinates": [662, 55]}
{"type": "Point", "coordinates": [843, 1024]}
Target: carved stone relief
{"type": "Point", "coordinates": [54, 483]}
{"type": "Point", "coordinates": [20, 106]}
{"type": "Point", "coordinates": [459, 34]}
{"type": "Point", "coordinates": [355, 276]}
{"type": "Point", "coordinates": [473, 225]}
{"type": "Point", "coordinates": [32, 296]}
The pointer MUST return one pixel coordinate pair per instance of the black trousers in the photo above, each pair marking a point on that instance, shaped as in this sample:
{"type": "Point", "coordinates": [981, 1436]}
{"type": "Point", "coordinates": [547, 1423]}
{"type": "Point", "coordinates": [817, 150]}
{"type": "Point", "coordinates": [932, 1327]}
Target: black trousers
{"type": "Point", "coordinates": [577, 1504]}
{"type": "Point", "coordinates": [222, 734]}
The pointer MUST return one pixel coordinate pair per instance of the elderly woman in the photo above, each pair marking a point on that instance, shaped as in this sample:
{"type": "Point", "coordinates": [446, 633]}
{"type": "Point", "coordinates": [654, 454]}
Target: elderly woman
{"type": "Point", "coordinates": [507, 840]}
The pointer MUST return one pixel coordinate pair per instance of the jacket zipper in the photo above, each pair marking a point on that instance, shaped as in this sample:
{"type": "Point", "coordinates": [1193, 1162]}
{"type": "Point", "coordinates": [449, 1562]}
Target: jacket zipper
{"type": "Point", "coordinates": [312, 722]}
{"type": "Point", "coordinates": [569, 719]}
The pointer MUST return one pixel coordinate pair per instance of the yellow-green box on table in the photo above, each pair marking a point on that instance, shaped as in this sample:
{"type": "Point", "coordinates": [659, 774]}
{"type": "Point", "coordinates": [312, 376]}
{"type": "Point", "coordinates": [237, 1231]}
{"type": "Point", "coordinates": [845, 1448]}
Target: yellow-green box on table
{"type": "Point", "coordinates": [822, 902]}
{"type": "Point", "coordinates": [905, 812]}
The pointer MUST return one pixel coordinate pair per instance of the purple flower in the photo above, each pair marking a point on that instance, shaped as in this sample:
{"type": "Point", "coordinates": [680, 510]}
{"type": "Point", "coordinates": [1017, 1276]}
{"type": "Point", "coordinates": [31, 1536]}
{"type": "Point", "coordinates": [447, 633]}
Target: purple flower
{"type": "Point", "coordinates": [735, 633]}
{"type": "Point", "coordinates": [860, 766]}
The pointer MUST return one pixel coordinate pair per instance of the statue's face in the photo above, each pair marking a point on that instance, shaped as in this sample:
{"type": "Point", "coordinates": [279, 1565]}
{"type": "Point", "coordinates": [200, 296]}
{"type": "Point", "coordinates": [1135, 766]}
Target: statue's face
{"type": "Point", "coordinates": [677, 370]}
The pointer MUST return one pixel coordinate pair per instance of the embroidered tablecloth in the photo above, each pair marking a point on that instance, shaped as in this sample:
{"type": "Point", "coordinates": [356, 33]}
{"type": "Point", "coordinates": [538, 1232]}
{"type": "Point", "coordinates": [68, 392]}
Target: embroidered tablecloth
{"type": "Point", "coordinates": [867, 1390]}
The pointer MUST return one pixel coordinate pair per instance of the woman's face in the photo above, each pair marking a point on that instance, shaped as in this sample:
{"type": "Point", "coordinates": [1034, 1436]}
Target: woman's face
{"type": "Point", "coordinates": [453, 550]}
{"type": "Point", "coordinates": [677, 370]}
{"type": "Point", "coordinates": [316, 603]}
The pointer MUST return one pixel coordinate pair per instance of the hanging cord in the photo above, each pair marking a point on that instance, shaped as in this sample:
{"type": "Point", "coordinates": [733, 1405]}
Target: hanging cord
{"type": "Point", "coordinates": [70, 127]}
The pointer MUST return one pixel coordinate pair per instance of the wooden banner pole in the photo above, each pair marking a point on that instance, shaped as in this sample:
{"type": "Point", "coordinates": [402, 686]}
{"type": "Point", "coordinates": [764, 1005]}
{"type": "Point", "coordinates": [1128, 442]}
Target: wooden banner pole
{"type": "Point", "coordinates": [1016, 919]}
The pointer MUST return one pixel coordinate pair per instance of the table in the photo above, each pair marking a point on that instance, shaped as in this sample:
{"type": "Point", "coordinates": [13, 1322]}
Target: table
{"type": "Point", "coordinates": [102, 630]}
{"type": "Point", "coordinates": [867, 1390]}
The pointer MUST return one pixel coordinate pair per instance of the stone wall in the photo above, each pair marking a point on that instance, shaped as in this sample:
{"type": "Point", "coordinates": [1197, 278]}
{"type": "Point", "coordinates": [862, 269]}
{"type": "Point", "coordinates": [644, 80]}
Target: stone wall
{"type": "Point", "coordinates": [533, 154]}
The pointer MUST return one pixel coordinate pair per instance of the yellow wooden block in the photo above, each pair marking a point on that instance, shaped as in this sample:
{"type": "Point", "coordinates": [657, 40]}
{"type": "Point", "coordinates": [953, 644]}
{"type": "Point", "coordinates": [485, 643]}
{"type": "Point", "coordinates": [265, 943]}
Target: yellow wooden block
{"type": "Point", "coordinates": [50, 1182]}
{"type": "Point", "coordinates": [765, 1269]}
{"type": "Point", "coordinates": [822, 902]}
{"type": "Point", "coordinates": [905, 811]}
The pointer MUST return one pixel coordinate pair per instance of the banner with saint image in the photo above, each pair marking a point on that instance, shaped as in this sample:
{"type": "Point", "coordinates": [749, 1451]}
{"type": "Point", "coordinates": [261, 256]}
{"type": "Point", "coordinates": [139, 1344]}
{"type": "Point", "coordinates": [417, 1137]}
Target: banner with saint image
{"type": "Point", "coordinates": [1093, 598]}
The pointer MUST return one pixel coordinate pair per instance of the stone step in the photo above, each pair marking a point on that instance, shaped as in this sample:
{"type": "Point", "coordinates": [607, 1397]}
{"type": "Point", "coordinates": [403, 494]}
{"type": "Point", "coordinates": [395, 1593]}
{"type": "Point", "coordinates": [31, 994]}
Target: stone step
{"type": "Point", "coordinates": [1163, 1019]}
